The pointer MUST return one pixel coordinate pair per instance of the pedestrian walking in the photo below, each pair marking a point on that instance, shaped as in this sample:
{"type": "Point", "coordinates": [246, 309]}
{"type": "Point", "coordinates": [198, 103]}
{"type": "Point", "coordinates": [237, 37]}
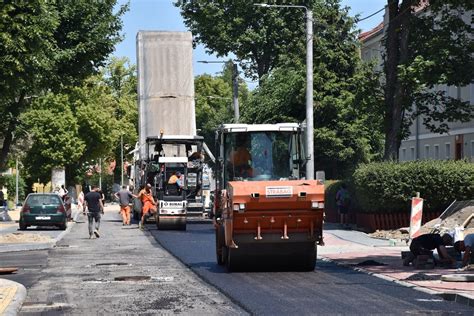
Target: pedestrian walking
{"type": "Point", "coordinates": [148, 204]}
{"type": "Point", "coordinates": [343, 201]}
{"type": "Point", "coordinates": [63, 192]}
{"type": "Point", "coordinates": [125, 198]}
{"type": "Point", "coordinates": [93, 202]}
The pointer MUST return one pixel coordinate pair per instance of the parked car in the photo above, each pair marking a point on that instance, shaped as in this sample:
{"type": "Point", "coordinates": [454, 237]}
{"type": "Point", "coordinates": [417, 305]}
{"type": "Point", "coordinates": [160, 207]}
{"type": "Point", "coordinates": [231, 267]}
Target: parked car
{"type": "Point", "coordinates": [43, 209]}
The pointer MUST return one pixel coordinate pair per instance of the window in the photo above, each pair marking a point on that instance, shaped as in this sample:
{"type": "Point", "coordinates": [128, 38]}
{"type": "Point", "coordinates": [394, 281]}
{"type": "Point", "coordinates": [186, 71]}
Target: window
{"type": "Point", "coordinates": [412, 153]}
{"type": "Point", "coordinates": [448, 150]}
{"type": "Point", "coordinates": [427, 151]}
{"type": "Point", "coordinates": [436, 152]}
{"type": "Point", "coordinates": [404, 154]}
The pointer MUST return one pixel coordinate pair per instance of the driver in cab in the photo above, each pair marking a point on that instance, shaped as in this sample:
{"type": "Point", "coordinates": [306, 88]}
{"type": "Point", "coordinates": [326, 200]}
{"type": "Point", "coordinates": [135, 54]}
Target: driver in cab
{"type": "Point", "coordinates": [241, 159]}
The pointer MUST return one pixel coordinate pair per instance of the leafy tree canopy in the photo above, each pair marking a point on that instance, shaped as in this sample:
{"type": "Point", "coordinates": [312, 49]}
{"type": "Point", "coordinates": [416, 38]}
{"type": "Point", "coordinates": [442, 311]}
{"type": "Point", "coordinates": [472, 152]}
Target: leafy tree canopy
{"type": "Point", "coordinates": [49, 46]}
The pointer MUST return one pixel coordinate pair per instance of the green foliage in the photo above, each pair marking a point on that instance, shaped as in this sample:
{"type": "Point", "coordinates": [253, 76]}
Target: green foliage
{"type": "Point", "coordinates": [331, 188]}
{"type": "Point", "coordinates": [348, 98]}
{"type": "Point", "coordinates": [49, 46]}
{"type": "Point", "coordinates": [426, 49]}
{"type": "Point", "coordinates": [9, 182]}
{"type": "Point", "coordinates": [258, 37]}
{"type": "Point", "coordinates": [82, 124]}
{"type": "Point", "coordinates": [213, 106]}
{"type": "Point", "coordinates": [389, 187]}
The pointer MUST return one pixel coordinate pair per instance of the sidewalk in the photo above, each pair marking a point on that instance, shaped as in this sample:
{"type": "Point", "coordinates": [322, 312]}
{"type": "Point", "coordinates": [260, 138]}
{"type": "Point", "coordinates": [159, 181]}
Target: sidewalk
{"type": "Point", "coordinates": [377, 257]}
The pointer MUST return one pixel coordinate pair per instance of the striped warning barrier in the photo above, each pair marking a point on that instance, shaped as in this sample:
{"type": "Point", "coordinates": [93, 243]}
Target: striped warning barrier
{"type": "Point", "coordinates": [415, 218]}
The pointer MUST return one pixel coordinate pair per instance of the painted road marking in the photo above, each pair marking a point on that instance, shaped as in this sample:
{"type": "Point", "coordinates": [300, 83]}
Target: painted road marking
{"type": "Point", "coordinates": [6, 296]}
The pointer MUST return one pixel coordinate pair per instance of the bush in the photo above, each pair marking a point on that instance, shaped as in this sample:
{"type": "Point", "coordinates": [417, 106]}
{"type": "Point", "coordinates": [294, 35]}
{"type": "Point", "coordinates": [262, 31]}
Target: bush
{"type": "Point", "coordinates": [331, 188]}
{"type": "Point", "coordinates": [9, 181]}
{"type": "Point", "coordinates": [389, 187]}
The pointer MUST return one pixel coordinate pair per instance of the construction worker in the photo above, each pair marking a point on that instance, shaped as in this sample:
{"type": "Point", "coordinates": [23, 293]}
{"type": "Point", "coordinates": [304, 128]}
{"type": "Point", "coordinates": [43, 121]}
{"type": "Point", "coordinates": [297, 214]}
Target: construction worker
{"type": "Point", "coordinates": [424, 244]}
{"type": "Point", "coordinates": [466, 245]}
{"type": "Point", "coordinates": [125, 197]}
{"type": "Point", "coordinates": [148, 204]}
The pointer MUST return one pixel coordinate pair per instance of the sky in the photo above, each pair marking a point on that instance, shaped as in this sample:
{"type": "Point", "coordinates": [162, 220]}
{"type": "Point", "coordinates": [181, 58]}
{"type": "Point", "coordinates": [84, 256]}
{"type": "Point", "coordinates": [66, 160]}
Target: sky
{"type": "Point", "coordinates": [162, 15]}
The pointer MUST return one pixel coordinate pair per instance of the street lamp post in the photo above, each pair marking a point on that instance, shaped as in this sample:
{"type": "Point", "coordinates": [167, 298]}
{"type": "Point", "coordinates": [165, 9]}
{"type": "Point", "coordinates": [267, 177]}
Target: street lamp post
{"type": "Point", "coordinates": [235, 85]}
{"type": "Point", "coordinates": [121, 159]}
{"type": "Point", "coordinates": [309, 84]}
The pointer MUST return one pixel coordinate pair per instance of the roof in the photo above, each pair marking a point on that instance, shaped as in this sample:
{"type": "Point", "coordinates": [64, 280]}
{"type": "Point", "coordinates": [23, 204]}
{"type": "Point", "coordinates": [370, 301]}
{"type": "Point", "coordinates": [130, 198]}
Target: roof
{"type": "Point", "coordinates": [236, 128]}
{"type": "Point", "coordinates": [372, 33]}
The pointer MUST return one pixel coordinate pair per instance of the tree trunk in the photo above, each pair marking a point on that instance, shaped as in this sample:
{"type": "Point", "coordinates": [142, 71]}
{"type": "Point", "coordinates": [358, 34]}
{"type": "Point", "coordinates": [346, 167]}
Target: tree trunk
{"type": "Point", "coordinates": [395, 93]}
{"type": "Point", "coordinates": [8, 135]}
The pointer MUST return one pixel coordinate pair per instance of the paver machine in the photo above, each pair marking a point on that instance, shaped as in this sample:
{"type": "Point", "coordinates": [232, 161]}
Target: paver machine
{"type": "Point", "coordinates": [179, 156]}
{"type": "Point", "coordinates": [265, 213]}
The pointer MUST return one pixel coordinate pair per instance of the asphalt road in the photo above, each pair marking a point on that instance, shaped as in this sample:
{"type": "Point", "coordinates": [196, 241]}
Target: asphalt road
{"type": "Point", "coordinates": [83, 276]}
{"type": "Point", "coordinates": [330, 289]}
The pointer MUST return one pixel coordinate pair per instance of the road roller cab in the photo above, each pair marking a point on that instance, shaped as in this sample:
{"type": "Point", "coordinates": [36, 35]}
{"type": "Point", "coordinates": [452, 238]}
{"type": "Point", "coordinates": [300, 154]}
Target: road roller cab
{"type": "Point", "coordinates": [265, 212]}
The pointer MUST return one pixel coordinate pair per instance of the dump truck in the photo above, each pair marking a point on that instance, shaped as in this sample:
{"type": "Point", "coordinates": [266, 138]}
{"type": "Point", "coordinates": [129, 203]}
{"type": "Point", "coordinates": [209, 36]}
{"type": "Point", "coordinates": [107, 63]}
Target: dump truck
{"type": "Point", "coordinates": [264, 211]}
{"type": "Point", "coordinates": [167, 124]}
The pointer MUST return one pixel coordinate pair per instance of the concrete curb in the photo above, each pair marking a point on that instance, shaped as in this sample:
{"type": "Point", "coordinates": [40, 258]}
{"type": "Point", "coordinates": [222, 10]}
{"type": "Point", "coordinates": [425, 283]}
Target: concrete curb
{"type": "Point", "coordinates": [14, 306]}
{"type": "Point", "coordinates": [458, 298]}
{"type": "Point", "coordinates": [41, 246]}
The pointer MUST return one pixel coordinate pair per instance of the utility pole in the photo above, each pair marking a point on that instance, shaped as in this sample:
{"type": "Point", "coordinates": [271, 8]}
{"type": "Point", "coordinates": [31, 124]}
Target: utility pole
{"type": "Point", "coordinates": [235, 91]}
{"type": "Point", "coordinates": [16, 183]}
{"type": "Point", "coordinates": [121, 156]}
{"type": "Point", "coordinates": [235, 85]}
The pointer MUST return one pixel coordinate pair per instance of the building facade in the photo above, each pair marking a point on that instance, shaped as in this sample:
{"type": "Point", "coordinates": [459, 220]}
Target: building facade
{"type": "Point", "coordinates": [458, 143]}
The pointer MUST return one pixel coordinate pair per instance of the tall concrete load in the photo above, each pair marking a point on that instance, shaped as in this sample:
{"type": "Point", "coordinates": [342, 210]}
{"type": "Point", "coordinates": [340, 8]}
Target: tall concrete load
{"type": "Point", "coordinates": [165, 85]}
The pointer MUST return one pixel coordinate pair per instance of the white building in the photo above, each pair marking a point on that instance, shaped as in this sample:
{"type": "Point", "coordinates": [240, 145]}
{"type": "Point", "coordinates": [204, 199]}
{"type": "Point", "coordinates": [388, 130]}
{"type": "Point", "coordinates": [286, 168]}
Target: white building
{"type": "Point", "coordinates": [458, 143]}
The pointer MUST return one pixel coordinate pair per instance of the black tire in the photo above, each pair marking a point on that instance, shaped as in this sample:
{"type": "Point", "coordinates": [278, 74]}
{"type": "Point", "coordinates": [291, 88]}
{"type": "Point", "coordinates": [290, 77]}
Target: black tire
{"type": "Point", "coordinates": [63, 226]}
{"type": "Point", "coordinates": [157, 220]}
{"type": "Point", "coordinates": [310, 260]}
{"type": "Point", "coordinates": [220, 245]}
{"type": "Point", "coordinates": [230, 262]}
{"type": "Point", "coordinates": [23, 226]}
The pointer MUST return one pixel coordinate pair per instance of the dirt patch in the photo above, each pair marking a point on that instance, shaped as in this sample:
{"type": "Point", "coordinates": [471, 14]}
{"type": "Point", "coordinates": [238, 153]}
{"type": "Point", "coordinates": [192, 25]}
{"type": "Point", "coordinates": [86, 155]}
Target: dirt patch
{"type": "Point", "coordinates": [399, 234]}
{"type": "Point", "coordinates": [18, 238]}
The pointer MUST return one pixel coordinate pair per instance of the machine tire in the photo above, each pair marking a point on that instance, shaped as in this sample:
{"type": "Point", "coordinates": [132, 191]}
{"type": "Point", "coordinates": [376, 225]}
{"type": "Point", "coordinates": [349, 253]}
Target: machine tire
{"type": "Point", "coordinates": [230, 261]}
{"type": "Point", "coordinates": [157, 220]}
{"type": "Point", "coordinates": [310, 260]}
{"type": "Point", "coordinates": [63, 226]}
{"type": "Point", "coordinates": [23, 226]}
{"type": "Point", "coordinates": [220, 241]}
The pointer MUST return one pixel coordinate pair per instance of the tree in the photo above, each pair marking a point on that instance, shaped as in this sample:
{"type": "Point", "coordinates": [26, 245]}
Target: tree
{"type": "Point", "coordinates": [83, 123]}
{"type": "Point", "coordinates": [425, 46]}
{"type": "Point", "coordinates": [49, 46]}
{"type": "Point", "coordinates": [213, 106]}
{"type": "Point", "coordinates": [258, 37]}
{"type": "Point", "coordinates": [347, 94]}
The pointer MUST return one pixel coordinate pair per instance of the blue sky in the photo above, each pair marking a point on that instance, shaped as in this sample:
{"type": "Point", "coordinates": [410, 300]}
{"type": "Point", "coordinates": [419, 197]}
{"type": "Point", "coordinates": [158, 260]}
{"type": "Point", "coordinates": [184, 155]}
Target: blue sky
{"type": "Point", "coordinates": [163, 15]}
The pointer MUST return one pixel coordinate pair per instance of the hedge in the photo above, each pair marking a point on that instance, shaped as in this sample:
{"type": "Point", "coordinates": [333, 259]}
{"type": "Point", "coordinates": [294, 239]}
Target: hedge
{"type": "Point", "coordinates": [389, 187]}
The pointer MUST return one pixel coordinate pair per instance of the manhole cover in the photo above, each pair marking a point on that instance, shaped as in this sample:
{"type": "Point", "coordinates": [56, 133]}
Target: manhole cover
{"type": "Point", "coordinates": [112, 264]}
{"type": "Point", "coordinates": [133, 278]}
{"type": "Point", "coordinates": [458, 278]}
{"type": "Point", "coordinates": [370, 263]}
{"type": "Point", "coordinates": [423, 277]}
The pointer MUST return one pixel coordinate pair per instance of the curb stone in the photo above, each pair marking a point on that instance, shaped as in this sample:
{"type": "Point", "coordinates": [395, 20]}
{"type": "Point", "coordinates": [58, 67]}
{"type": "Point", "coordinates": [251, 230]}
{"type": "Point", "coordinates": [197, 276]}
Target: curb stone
{"type": "Point", "coordinates": [456, 297]}
{"type": "Point", "coordinates": [13, 307]}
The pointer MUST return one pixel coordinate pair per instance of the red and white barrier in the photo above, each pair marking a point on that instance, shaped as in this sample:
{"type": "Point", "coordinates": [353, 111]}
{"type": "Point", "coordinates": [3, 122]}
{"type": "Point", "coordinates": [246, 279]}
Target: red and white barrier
{"type": "Point", "coordinates": [416, 215]}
